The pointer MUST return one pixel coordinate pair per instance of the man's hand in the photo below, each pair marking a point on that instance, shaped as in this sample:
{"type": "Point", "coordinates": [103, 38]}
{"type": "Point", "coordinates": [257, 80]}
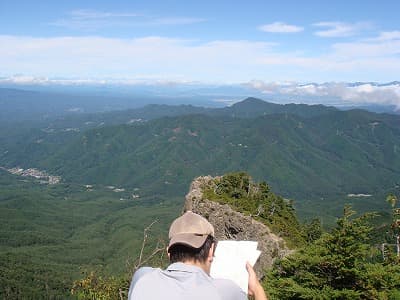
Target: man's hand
{"type": "Point", "coordinates": [255, 288]}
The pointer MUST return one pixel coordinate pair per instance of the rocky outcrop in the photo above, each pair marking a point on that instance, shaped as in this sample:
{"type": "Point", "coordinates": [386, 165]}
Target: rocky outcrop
{"type": "Point", "coordinates": [232, 225]}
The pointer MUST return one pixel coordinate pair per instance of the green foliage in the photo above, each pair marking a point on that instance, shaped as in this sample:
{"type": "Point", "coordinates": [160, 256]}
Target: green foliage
{"type": "Point", "coordinates": [48, 234]}
{"type": "Point", "coordinates": [336, 266]}
{"type": "Point", "coordinates": [24, 276]}
{"type": "Point", "coordinates": [96, 287]}
{"type": "Point", "coordinates": [393, 233]}
{"type": "Point", "coordinates": [316, 157]}
{"type": "Point", "coordinates": [256, 199]}
{"type": "Point", "coordinates": [392, 200]}
{"type": "Point", "coordinates": [313, 230]}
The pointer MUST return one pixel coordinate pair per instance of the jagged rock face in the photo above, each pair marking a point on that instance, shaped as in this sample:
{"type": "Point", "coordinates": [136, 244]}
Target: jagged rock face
{"type": "Point", "coordinates": [232, 225]}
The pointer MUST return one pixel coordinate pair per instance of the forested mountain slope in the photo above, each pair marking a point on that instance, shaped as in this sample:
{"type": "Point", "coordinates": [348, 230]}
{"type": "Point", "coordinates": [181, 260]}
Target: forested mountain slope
{"type": "Point", "coordinates": [315, 159]}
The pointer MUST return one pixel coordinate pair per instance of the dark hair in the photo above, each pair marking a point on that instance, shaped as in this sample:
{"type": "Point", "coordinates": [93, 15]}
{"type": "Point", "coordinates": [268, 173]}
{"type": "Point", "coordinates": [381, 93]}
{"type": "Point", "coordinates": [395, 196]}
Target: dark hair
{"type": "Point", "coordinates": [183, 253]}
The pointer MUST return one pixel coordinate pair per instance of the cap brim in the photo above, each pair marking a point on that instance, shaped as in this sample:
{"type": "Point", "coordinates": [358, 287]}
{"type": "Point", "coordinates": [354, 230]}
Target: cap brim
{"type": "Point", "coordinates": [188, 239]}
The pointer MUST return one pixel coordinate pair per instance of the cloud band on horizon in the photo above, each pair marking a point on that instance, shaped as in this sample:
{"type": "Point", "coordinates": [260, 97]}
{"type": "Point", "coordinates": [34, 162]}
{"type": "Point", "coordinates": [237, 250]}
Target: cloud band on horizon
{"type": "Point", "coordinates": [191, 60]}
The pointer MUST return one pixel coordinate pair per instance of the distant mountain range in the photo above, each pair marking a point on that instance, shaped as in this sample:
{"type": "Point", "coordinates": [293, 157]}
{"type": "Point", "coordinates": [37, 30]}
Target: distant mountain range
{"type": "Point", "coordinates": [248, 108]}
{"type": "Point", "coordinates": [315, 154]}
{"type": "Point", "coordinates": [50, 101]}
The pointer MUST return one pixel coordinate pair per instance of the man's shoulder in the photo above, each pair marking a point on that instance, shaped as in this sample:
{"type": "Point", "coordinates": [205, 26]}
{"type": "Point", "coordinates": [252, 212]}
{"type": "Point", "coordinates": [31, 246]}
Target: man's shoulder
{"type": "Point", "coordinates": [142, 272]}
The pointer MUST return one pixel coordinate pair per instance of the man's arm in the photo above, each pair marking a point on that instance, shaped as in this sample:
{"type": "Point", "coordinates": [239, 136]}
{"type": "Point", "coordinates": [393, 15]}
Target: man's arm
{"type": "Point", "coordinates": [255, 288]}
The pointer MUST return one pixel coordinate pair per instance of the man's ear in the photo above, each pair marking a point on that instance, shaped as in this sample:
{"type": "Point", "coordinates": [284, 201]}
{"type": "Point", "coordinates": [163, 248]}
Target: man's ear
{"type": "Point", "coordinates": [211, 252]}
{"type": "Point", "coordinates": [168, 252]}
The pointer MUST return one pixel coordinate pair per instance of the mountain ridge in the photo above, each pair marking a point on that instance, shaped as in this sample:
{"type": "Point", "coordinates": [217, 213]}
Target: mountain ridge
{"type": "Point", "coordinates": [325, 156]}
{"type": "Point", "coordinates": [20, 105]}
{"type": "Point", "coordinates": [248, 108]}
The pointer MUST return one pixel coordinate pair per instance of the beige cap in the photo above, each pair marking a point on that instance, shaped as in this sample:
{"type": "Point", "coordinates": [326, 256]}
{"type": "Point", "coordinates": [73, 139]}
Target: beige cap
{"type": "Point", "coordinates": [190, 229]}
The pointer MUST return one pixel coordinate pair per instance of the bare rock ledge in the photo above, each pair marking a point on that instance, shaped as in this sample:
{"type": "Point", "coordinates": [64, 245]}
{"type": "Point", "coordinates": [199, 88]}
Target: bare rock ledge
{"type": "Point", "coordinates": [233, 225]}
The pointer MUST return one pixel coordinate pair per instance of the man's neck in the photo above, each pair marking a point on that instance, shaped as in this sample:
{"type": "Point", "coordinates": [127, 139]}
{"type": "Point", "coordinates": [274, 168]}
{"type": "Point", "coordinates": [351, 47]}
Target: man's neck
{"type": "Point", "coordinates": [198, 264]}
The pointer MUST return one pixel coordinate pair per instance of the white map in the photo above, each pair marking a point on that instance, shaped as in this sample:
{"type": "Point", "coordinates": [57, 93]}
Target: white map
{"type": "Point", "coordinates": [230, 261]}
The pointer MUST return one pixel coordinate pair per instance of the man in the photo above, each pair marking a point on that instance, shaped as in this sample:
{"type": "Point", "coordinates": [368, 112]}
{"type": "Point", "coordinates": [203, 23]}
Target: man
{"type": "Point", "coordinates": [191, 251]}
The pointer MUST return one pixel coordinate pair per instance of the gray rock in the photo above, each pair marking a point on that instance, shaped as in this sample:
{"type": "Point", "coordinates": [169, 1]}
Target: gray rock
{"type": "Point", "coordinates": [232, 225]}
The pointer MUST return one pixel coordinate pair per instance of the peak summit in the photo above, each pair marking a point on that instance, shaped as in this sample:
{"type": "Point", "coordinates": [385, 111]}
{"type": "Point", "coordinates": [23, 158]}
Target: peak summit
{"type": "Point", "coordinates": [250, 101]}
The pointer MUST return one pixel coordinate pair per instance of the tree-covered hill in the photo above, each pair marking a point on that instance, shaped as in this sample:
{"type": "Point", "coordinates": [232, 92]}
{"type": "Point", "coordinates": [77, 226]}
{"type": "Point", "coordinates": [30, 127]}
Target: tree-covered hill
{"type": "Point", "coordinates": [248, 108]}
{"type": "Point", "coordinates": [318, 160]}
{"type": "Point", "coordinates": [122, 170]}
{"type": "Point", "coordinates": [51, 234]}
{"type": "Point", "coordinates": [253, 107]}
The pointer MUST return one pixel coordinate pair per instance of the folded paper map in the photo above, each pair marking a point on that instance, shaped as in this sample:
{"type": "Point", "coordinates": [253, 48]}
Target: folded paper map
{"type": "Point", "coordinates": [230, 261]}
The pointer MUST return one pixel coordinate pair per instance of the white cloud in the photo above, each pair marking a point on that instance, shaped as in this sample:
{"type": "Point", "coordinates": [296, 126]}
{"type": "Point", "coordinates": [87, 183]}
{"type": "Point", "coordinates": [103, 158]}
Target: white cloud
{"type": "Point", "coordinates": [85, 14]}
{"type": "Point", "coordinates": [269, 87]}
{"type": "Point", "coordinates": [161, 58]}
{"type": "Point", "coordinates": [373, 59]}
{"type": "Point", "coordinates": [95, 20]}
{"type": "Point", "coordinates": [331, 93]}
{"type": "Point", "coordinates": [385, 36]}
{"type": "Point", "coordinates": [280, 27]}
{"type": "Point", "coordinates": [348, 93]}
{"type": "Point", "coordinates": [367, 93]}
{"type": "Point", "coordinates": [362, 49]}
{"type": "Point", "coordinates": [164, 58]}
{"type": "Point", "coordinates": [174, 21]}
{"type": "Point", "coordinates": [339, 29]}
{"type": "Point", "coordinates": [140, 79]}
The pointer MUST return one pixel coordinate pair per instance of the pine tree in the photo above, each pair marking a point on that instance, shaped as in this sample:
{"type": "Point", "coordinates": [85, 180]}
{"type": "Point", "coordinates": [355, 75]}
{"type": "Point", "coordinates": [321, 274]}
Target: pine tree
{"type": "Point", "coordinates": [336, 266]}
{"type": "Point", "coordinates": [394, 228]}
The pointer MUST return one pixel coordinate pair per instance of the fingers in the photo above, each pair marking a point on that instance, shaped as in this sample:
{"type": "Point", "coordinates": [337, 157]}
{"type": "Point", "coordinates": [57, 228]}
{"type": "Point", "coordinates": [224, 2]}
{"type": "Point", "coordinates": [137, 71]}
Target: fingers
{"type": "Point", "coordinates": [253, 281]}
{"type": "Point", "coordinates": [250, 269]}
{"type": "Point", "coordinates": [255, 288]}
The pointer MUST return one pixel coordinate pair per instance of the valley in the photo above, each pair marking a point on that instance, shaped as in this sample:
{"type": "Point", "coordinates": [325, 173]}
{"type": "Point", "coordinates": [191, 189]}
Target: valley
{"type": "Point", "coordinates": [111, 181]}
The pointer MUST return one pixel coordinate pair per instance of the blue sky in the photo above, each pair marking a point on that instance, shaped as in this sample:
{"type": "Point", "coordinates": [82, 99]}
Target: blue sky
{"type": "Point", "coordinates": [200, 41]}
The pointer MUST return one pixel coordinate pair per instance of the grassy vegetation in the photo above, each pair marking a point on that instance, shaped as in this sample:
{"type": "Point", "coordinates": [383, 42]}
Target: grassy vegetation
{"type": "Point", "coordinates": [256, 199]}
